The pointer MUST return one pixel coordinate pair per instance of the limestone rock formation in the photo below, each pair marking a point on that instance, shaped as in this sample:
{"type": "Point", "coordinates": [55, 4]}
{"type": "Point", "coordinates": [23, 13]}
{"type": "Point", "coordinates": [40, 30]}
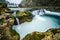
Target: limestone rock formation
{"type": "Point", "coordinates": [33, 3]}
{"type": "Point", "coordinates": [51, 34]}
{"type": "Point", "coordinates": [3, 8]}
{"type": "Point", "coordinates": [24, 16]}
{"type": "Point", "coordinates": [6, 23]}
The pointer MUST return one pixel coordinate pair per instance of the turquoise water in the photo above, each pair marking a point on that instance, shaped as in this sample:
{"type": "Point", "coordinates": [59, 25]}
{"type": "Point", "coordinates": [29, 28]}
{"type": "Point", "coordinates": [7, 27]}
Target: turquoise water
{"type": "Point", "coordinates": [39, 23]}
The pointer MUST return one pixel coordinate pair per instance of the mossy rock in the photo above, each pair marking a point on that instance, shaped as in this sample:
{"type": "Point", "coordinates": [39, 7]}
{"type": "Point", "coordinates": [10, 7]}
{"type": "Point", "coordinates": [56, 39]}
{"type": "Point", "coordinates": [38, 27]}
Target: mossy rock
{"type": "Point", "coordinates": [3, 7]}
{"type": "Point", "coordinates": [6, 31]}
{"type": "Point", "coordinates": [8, 34]}
{"type": "Point", "coordinates": [34, 36]}
{"type": "Point", "coordinates": [6, 23]}
{"type": "Point", "coordinates": [6, 18]}
{"type": "Point", "coordinates": [51, 34]}
{"type": "Point", "coordinates": [24, 16]}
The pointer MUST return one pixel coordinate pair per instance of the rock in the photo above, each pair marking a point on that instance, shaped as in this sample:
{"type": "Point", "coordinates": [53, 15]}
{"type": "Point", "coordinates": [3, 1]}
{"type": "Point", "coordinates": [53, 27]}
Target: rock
{"type": "Point", "coordinates": [39, 3]}
{"type": "Point", "coordinates": [6, 33]}
{"type": "Point", "coordinates": [3, 5]}
{"type": "Point", "coordinates": [6, 23]}
{"type": "Point", "coordinates": [3, 8]}
{"type": "Point", "coordinates": [24, 16]}
{"type": "Point", "coordinates": [6, 18]}
{"type": "Point", "coordinates": [53, 9]}
{"type": "Point", "coordinates": [51, 34]}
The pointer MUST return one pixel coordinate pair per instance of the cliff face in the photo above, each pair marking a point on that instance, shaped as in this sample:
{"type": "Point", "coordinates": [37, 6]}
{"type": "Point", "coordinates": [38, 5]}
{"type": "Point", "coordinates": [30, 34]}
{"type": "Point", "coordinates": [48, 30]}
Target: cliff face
{"type": "Point", "coordinates": [51, 34]}
{"type": "Point", "coordinates": [28, 3]}
{"type": "Point", "coordinates": [6, 23]}
{"type": "Point", "coordinates": [52, 4]}
{"type": "Point", "coordinates": [2, 1]}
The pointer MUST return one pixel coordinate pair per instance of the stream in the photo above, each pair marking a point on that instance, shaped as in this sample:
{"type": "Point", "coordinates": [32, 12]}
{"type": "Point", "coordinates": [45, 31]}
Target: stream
{"type": "Point", "coordinates": [40, 22]}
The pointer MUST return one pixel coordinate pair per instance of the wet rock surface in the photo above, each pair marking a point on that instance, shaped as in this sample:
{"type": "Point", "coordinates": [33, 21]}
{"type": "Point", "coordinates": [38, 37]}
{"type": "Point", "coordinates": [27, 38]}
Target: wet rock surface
{"type": "Point", "coordinates": [24, 16]}
{"type": "Point", "coordinates": [51, 34]}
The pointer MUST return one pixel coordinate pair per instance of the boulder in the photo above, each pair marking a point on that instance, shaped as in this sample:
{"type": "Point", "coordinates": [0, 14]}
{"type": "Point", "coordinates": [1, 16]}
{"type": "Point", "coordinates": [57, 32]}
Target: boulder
{"type": "Point", "coordinates": [51, 34]}
{"type": "Point", "coordinates": [24, 16]}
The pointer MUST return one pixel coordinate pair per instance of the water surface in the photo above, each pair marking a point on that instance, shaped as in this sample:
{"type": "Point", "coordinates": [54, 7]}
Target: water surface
{"type": "Point", "coordinates": [39, 23]}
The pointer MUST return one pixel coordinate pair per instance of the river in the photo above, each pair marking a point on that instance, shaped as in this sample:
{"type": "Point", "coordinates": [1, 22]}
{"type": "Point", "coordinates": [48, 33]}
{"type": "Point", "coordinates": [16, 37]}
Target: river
{"type": "Point", "coordinates": [40, 22]}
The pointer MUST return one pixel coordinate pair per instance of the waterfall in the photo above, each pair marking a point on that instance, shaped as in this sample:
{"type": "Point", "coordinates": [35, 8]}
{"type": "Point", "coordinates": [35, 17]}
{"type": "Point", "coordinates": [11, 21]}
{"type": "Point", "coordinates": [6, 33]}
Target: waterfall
{"type": "Point", "coordinates": [14, 14]}
{"type": "Point", "coordinates": [52, 13]}
{"type": "Point", "coordinates": [44, 11]}
{"type": "Point", "coordinates": [17, 20]}
{"type": "Point", "coordinates": [39, 12]}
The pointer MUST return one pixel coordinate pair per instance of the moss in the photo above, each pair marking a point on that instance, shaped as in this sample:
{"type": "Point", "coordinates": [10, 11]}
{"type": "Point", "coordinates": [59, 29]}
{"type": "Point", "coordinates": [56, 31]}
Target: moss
{"type": "Point", "coordinates": [51, 34]}
{"type": "Point", "coordinates": [24, 16]}
{"type": "Point", "coordinates": [3, 8]}
{"type": "Point", "coordinates": [8, 34]}
{"type": "Point", "coordinates": [3, 5]}
{"type": "Point", "coordinates": [14, 34]}
{"type": "Point", "coordinates": [6, 23]}
{"type": "Point", "coordinates": [34, 36]}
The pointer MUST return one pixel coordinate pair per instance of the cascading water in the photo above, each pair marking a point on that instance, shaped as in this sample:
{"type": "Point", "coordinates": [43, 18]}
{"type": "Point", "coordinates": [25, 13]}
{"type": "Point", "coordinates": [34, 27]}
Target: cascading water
{"type": "Point", "coordinates": [17, 21]}
{"type": "Point", "coordinates": [38, 23]}
{"type": "Point", "coordinates": [38, 12]}
{"type": "Point", "coordinates": [52, 13]}
{"type": "Point", "coordinates": [14, 14]}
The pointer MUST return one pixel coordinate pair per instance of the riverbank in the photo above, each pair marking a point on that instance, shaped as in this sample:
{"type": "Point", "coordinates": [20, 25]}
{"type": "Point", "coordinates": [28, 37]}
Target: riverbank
{"type": "Point", "coordinates": [6, 23]}
{"type": "Point", "coordinates": [51, 34]}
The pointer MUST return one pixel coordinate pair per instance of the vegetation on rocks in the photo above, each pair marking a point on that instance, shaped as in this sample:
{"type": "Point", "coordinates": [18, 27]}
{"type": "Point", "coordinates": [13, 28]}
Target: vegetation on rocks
{"type": "Point", "coordinates": [51, 34]}
{"type": "Point", "coordinates": [24, 16]}
{"type": "Point", "coordinates": [3, 7]}
{"type": "Point", "coordinates": [33, 3]}
{"type": "Point", "coordinates": [52, 4]}
{"type": "Point", "coordinates": [6, 23]}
